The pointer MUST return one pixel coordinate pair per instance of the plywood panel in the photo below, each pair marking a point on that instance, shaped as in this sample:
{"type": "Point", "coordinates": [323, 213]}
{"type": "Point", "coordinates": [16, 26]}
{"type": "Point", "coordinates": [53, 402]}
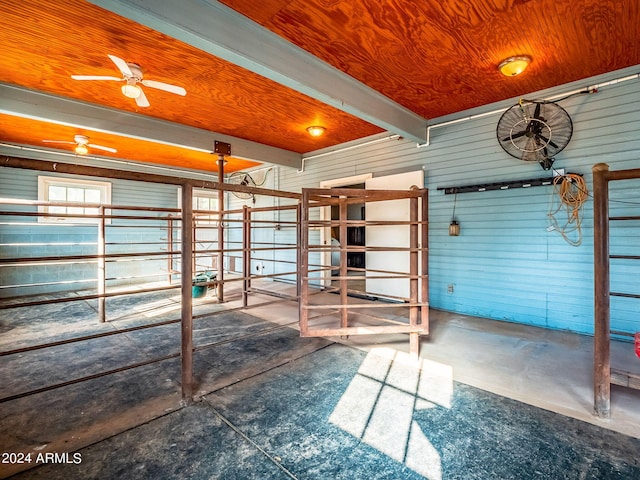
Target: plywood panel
{"type": "Point", "coordinates": [43, 43]}
{"type": "Point", "coordinates": [440, 56]}
{"type": "Point", "coordinates": [23, 131]}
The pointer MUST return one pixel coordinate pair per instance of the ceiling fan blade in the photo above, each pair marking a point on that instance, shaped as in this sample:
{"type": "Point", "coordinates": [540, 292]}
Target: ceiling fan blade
{"type": "Point", "coordinates": [164, 86]}
{"type": "Point", "coordinates": [547, 141]}
{"type": "Point", "coordinates": [59, 141]}
{"type": "Point", "coordinates": [100, 147]}
{"type": "Point", "coordinates": [513, 137]}
{"type": "Point", "coordinates": [142, 100]}
{"type": "Point", "coordinates": [122, 65]}
{"type": "Point", "coordinates": [94, 77]}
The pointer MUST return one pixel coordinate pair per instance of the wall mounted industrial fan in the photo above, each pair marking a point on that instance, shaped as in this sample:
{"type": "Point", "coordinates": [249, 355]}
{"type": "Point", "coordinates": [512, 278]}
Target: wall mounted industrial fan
{"type": "Point", "coordinates": [132, 75]}
{"type": "Point", "coordinates": [535, 131]}
{"type": "Point", "coordinates": [244, 179]}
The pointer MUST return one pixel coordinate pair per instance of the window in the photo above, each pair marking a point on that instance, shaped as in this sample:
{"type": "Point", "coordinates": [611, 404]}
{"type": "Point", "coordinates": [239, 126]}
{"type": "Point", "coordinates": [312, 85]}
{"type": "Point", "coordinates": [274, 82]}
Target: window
{"type": "Point", "coordinates": [70, 190]}
{"type": "Point", "coordinates": [205, 200]}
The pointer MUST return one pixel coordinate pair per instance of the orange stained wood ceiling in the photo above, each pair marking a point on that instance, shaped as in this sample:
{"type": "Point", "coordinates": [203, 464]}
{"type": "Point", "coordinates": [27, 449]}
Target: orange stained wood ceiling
{"type": "Point", "coordinates": [434, 57]}
{"type": "Point", "coordinates": [438, 57]}
{"type": "Point", "coordinates": [44, 42]}
{"type": "Point", "coordinates": [23, 131]}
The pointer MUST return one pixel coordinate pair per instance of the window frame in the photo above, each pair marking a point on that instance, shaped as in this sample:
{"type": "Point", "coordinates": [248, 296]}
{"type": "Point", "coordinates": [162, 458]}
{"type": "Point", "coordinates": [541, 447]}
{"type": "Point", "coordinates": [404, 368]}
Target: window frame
{"type": "Point", "coordinates": [45, 182]}
{"type": "Point", "coordinates": [203, 193]}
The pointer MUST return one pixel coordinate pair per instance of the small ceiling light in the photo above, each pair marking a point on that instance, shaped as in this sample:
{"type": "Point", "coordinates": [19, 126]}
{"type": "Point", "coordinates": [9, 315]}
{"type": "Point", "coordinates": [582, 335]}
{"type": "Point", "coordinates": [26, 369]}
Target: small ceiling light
{"type": "Point", "coordinates": [131, 90]}
{"type": "Point", "coordinates": [316, 130]}
{"type": "Point", "coordinates": [513, 66]}
{"type": "Point", "coordinates": [82, 149]}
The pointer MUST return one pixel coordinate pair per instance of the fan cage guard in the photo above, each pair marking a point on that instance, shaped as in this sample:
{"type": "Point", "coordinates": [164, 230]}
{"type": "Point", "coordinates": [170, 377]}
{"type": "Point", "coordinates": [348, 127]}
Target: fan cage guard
{"type": "Point", "coordinates": [242, 178]}
{"type": "Point", "coordinates": [534, 131]}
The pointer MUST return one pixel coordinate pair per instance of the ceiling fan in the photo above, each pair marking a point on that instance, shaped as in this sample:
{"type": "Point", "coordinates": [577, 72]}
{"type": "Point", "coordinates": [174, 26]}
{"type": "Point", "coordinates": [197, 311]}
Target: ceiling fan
{"type": "Point", "coordinates": [132, 75]}
{"type": "Point", "coordinates": [82, 142]}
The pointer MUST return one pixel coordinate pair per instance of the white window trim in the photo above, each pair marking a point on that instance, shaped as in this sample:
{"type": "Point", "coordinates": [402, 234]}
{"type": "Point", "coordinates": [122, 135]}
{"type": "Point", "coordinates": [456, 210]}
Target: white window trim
{"type": "Point", "coordinates": [44, 182]}
{"type": "Point", "coordinates": [201, 192]}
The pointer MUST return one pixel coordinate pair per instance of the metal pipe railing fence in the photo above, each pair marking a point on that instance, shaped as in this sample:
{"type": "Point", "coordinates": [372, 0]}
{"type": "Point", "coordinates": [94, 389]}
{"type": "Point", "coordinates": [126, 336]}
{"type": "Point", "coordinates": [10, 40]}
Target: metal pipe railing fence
{"type": "Point", "coordinates": [416, 276]}
{"type": "Point", "coordinates": [603, 375]}
{"type": "Point", "coordinates": [128, 250]}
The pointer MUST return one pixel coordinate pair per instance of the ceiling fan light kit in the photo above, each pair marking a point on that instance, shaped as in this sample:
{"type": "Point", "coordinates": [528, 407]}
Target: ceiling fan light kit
{"type": "Point", "coordinates": [82, 149]}
{"type": "Point", "coordinates": [131, 90]}
{"type": "Point", "coordinates": [513, 66]}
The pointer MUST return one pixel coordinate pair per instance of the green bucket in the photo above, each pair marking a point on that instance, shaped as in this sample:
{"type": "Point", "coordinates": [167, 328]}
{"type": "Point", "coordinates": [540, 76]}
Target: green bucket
{"type": "Point", "coordinates": [200, 286]}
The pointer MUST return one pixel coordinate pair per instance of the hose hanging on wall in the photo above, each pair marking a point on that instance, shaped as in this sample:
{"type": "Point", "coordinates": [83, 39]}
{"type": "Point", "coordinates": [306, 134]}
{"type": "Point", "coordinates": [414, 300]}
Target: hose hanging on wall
{"type": "Point", "coordinates": [570, 193]}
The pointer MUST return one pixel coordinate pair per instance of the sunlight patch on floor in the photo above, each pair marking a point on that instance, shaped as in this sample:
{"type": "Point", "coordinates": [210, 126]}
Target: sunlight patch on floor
{"type": "Point", "coordinates": [378, 405]}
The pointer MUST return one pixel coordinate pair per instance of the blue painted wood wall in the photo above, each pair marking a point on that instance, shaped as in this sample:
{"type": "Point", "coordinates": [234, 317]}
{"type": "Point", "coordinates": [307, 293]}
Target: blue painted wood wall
{"type": "Point", "coordinates": [505, 265]}
{"type": "Point", "coordinates": [30, 238]}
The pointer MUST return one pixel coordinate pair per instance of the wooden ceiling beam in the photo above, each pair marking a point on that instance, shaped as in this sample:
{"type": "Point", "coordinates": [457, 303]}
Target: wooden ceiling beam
{"type": "Point", "coordinates": [217, 29]}
{"type": "Point", "coordinates": [22, 102]}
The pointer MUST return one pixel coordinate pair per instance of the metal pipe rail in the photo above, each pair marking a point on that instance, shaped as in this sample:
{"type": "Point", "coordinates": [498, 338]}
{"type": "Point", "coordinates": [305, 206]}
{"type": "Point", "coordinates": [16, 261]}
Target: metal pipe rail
{"type": "Point", "coordinates": [182, 242]}
{"type": "Point", "coordinates": [604, 376]}
{"type": "Point", "coordinates": [417, 300]}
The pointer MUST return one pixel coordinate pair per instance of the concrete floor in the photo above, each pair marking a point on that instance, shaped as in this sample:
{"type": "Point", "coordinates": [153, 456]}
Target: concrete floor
{"type": "Point", "coordinates": [545, 368]}
{"type": "Point", "coordinates": [260, 374]}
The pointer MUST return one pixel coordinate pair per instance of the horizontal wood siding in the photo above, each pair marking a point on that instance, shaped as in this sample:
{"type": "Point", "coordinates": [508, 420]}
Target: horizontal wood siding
{"type": "Point", "coordinates": [505, 265]}
{"type": "Point", "coordinates": [31, 238]}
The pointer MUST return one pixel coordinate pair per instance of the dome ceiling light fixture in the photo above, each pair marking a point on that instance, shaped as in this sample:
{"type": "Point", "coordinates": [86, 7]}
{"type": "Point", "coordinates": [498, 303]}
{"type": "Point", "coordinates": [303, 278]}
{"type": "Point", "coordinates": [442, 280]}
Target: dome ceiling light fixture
{"type": "Point", "coordinates": [316, 130]}
{"type": "Point", "coordinates": [513, 66]}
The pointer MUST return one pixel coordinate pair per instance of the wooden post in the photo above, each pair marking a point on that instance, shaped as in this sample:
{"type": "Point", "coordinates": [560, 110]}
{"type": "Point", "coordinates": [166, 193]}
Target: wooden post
{"type": "Point", "coordinates": [601, 331]}
{"type": "Point", "coordinates": [187, 284]}
{"type": "Point", "coordinates": [102, 266]}
{"type": "Point", "coordinates": [220, 292]}
{"type": "Point", "coordinates": [414, 337]}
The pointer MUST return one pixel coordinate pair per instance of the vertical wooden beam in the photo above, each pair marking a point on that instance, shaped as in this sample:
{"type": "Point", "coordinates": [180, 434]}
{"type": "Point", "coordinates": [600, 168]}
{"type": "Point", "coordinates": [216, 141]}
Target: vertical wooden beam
{"type": "Point", "coordinates": [414, 337]}
{"type": "Point", "coordinates": [344, 282]}
{"type": "Point", "coordinates": [601, 332]}
{"type": "Point", "coordinates": [246, 254]}
{"type": "Point", "coordinates": [220, 292]}
{"type": "Point", "coordinates": [102, 266]}
{"type": "Point", "coordinates": [303, 264]}
{"type": "Point", "coordinates": [187, 284]}
{"type": "Point", "coordinates": [424, 260]}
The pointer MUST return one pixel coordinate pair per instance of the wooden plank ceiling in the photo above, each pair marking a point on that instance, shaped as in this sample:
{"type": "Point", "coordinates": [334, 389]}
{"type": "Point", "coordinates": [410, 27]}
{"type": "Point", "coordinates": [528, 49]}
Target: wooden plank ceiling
{"type": "Point", "coordinates": [434, 57]}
